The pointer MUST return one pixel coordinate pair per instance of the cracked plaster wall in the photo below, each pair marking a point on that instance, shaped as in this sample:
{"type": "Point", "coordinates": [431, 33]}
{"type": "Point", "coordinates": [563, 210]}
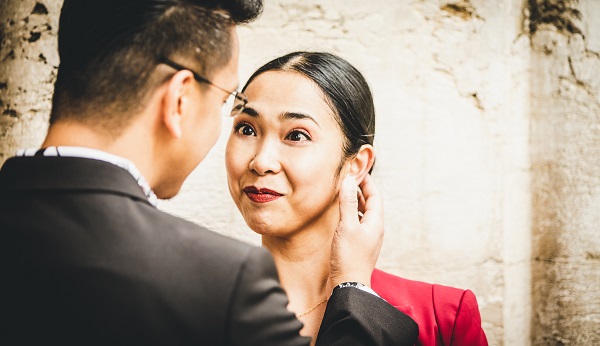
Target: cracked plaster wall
{"type": "Point", "coordinates": [474, 147]}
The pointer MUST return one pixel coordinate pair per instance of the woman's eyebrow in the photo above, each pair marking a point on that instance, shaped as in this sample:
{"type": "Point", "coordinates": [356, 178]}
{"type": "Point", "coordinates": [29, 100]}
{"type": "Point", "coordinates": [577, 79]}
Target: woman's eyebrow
{"type": "Point", "coordinates": [296, 115]}
{"type": "Point", "coordinates": [250, 111]}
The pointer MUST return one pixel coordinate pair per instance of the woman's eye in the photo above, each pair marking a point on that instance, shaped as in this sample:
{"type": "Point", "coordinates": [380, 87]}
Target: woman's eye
{"type": "Point", "coordinates": [245, 130]}
{"type": "Point", "coordinates": [298, 136]}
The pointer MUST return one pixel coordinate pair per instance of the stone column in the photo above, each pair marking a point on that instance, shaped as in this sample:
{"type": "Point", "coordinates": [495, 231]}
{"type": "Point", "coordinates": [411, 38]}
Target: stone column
{"type": "Point", "coordinates": [28, 65]}
{"type": "Point", "coordinates": [565, 155]}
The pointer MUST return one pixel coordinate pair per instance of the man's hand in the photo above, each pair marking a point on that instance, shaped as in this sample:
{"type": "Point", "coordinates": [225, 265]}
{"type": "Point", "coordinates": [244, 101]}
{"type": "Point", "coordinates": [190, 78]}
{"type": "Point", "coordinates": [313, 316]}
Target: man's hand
{"type": "Point", "coordinates": [357, 240]}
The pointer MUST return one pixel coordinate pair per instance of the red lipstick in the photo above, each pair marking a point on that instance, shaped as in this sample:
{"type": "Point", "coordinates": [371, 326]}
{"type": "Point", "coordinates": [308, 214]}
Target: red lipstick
{"type": "Point", "coordinates": [261, 195]}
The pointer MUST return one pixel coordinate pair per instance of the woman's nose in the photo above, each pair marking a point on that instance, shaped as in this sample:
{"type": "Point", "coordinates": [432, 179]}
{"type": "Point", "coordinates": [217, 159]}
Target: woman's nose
{"type": "Point", "coordinates": [266, 160]}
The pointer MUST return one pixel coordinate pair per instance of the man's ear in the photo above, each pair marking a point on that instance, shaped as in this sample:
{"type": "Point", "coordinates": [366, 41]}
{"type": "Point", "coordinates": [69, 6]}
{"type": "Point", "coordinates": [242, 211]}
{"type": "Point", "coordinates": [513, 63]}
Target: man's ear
{"type": "Point", "coordinates": [361, 163]}
{"type": "Point", "coordinates": [175, 101]}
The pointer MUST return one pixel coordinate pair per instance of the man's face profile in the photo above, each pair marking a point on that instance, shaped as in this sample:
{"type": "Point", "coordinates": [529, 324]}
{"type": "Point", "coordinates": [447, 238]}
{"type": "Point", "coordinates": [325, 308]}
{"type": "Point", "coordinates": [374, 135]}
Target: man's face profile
{"type": "Point", "coordinates": [201, 124]}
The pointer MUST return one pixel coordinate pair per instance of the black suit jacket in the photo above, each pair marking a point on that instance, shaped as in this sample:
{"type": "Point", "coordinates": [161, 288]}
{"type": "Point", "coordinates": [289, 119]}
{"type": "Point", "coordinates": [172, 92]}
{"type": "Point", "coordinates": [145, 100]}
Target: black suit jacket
{"type": "Point", "coordinates": [87, 260]}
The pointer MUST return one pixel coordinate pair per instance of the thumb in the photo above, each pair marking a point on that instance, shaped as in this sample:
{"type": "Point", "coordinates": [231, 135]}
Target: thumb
{"type": "Point", "coordinates": [349, 201]}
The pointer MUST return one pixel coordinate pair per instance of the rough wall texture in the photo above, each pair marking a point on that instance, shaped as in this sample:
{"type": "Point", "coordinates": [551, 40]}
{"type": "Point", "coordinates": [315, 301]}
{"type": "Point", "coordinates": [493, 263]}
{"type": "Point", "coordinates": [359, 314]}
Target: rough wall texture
{"type": "Point", "coordinates": [488, 141]}
{"type": "Point", "coordinates": [28, 62]}
{"type": "Point", "coordinates": [565, 155]}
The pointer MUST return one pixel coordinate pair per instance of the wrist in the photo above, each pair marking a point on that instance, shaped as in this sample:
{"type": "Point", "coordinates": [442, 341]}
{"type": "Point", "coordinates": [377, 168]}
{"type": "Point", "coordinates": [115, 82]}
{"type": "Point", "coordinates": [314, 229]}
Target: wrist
{"type": "Point", "coordinates": [363, 279]}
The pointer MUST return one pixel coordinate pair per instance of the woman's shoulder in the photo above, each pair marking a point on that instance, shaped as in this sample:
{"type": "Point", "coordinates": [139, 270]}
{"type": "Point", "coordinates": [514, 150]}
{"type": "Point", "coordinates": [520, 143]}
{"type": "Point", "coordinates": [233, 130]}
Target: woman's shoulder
{"type": "Point", "coordinates": [397, 290]}
{"type": "Point", "coordinates": [452, 312]}
{"type": "Point", "coordinates": [389, 284]}
{"type": "Point", "coordinates": [392, 287]}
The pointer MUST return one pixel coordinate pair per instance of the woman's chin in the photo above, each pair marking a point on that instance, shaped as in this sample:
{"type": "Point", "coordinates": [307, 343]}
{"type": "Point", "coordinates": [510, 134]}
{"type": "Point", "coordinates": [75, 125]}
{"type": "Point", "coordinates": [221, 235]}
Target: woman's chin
{"type": "Point", "coordinates": [265, 227]}
{"type": "Point", "coordinates": [261, 228]}
{"type": "Point", "coordinates": [258, 220]}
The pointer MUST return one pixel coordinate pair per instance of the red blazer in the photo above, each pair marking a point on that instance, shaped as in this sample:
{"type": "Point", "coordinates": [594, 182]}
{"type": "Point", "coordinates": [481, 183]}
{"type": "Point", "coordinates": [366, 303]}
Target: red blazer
{"type": "Point", "coordinates": [445, 315]}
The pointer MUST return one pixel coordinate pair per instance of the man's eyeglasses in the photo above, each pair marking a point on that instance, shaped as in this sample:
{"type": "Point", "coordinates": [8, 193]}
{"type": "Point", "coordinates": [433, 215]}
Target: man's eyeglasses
{"type": "Point", "coordinates": [235, 97]}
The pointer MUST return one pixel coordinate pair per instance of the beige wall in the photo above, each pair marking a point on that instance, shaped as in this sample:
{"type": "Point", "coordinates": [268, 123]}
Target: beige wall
{"type": "Point", "coordinates": [488, 144]}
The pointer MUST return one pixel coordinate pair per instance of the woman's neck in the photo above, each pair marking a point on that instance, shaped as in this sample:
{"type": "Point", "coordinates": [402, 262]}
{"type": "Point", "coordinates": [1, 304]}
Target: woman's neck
{"type": "Point", "coordinates": [303, 264]}
{"type": "Point", "coordinates": [303, 260]}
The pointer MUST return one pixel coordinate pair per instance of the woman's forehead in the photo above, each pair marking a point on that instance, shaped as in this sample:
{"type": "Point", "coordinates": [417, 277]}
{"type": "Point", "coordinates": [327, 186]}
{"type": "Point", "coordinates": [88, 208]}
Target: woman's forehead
{"type": "Point", "coordinates": [287, 91]}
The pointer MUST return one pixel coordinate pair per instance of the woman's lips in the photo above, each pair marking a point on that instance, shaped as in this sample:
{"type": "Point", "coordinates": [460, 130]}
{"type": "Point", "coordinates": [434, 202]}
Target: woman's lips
{"type": "Point", "coordinates": [261, 195]}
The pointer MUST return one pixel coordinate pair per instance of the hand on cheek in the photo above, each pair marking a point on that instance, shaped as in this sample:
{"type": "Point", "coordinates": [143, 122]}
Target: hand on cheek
{"type": "Point", "coordinates": [357, 241]}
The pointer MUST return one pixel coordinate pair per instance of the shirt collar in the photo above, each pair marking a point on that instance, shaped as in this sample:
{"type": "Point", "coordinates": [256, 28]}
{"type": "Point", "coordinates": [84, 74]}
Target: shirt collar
{"type": "Point", "coordinates": [88, 153]}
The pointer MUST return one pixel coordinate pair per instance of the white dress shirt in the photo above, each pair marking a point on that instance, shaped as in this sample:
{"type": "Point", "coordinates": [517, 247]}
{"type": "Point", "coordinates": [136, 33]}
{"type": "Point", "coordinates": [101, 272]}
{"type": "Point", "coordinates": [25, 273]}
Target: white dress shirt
{"type": "Point", "coordinates": [95, 154]}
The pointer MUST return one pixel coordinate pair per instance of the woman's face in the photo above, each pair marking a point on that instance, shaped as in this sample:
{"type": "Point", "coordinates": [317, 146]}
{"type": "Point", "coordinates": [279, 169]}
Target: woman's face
{"type": "Point", "coordinates": [283, 156]}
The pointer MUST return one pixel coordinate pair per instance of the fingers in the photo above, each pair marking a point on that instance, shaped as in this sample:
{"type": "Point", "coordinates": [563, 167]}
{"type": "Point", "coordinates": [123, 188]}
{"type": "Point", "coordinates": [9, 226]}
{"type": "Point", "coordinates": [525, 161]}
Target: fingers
{"type": "Point", "coordinates": [367, 187]}
{"type": "Point", "coordinates": [361, 203]}
{"type": "Point", "coordinates": [373, 206]}
{"type": "Point", "coordinates": [349, 201]}
{"type": "Point", "coordinates": [356, 244]}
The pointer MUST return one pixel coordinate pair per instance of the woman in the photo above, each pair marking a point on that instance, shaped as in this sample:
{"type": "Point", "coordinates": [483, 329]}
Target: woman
{"type": "Point", "coordinates": [309, 122]}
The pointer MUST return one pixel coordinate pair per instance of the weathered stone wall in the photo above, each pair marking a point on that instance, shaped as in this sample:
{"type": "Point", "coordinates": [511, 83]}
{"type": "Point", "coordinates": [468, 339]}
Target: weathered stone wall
{"type": "Point", "coordinates": [488, 141]}
{"type": "Point", "coordinates": [28, 63]}
{"type": "Point", "coordinates": [565, 157]}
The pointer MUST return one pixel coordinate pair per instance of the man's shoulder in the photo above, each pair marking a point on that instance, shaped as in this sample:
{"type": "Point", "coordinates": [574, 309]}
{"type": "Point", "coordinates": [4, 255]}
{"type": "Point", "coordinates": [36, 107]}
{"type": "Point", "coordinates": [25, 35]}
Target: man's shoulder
{"type": "Point", "coordinates": [187, 233]}
{"type": "Point", "coordinates": [85, 196]}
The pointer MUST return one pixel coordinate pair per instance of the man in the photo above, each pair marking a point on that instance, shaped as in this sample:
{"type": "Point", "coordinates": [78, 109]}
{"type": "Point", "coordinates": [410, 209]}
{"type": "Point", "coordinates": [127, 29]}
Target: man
{"type": "Point", "coordinates": [88, 259]}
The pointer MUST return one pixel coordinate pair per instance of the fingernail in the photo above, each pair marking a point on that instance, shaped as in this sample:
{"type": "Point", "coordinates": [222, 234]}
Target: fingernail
{"type": "Point", "coordinates": [350, 184]}
{"type": "Point", "coordinates": [349, 179]}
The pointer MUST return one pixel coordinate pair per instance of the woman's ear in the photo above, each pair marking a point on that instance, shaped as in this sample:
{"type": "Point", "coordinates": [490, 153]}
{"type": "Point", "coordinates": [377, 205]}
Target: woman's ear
{"type": "Point", "coordinates": [362, 162]}
{"type": "Point", "coordinates": [174, 102]}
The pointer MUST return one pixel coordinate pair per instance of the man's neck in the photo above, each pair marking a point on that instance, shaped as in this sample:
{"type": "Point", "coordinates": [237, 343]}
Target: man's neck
{"type": "Point", "coordinates": [127, 145]}
{"type": "Point", "coordinates": [73, 134]}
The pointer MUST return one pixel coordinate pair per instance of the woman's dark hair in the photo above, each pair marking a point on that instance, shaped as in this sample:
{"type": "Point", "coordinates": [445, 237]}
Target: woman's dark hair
{"type": "Point", "coordinates": [345, 89]}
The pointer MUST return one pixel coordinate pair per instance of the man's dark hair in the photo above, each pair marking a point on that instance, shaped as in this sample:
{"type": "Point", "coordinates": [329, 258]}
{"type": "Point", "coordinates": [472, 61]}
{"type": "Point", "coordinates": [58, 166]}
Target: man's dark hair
{"type": "Point", "coordinates": [346, 91]}
{"type": "Point", "coordinates": [109, 50]}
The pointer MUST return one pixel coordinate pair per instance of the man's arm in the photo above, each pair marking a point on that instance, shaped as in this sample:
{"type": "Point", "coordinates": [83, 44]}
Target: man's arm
{"type": "Point", "coordinates": [356, 317]}
{"type": "Point", "coordinates": [258, 313]}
